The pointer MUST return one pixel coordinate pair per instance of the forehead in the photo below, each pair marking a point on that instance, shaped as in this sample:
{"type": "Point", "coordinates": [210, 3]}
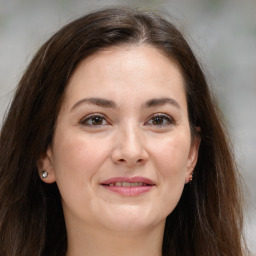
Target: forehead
{"type": "Point", "coordinates": [126, 69]}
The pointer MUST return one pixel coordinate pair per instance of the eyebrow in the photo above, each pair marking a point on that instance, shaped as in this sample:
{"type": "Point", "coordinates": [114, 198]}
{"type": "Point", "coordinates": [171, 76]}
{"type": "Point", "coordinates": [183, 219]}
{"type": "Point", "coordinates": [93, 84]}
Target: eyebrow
{"type": "Point", "coordinates": [111, 104]}
{"type": "Point", "coordinates": [160, 102]}
{"type": "Point", "coordinates": [96, 101]}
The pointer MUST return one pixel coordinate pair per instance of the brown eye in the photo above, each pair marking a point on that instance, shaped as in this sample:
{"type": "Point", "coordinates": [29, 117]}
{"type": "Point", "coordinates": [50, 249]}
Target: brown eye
{"type": "Point", "coordinates": [93, 120]}
{"type": "Point", "coordinates": [160, 120]}
{"type": "Point", "coordinates": [97, 120]}
{"type": "Point", "coordinates": [157, 120]}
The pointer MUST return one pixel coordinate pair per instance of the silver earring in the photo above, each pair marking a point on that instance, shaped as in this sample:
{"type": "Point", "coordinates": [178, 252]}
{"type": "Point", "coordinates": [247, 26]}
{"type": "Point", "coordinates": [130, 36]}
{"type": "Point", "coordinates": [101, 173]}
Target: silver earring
{"type": "Point", "coordinates": [190, 181]}
{"type": "Point", "coordinates": [44, 174]}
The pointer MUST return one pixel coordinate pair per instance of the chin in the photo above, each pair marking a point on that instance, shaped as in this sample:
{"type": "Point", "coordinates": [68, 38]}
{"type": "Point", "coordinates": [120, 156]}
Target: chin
{"type": "Point", "coordinates": [130, 226]}
{"type": "Point", "coordinates": [131, 218]}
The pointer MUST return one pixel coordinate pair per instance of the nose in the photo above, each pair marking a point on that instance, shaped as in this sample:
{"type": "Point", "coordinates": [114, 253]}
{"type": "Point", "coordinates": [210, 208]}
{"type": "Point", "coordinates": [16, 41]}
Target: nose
{"type": "Point", "coordinates": [129, 147]}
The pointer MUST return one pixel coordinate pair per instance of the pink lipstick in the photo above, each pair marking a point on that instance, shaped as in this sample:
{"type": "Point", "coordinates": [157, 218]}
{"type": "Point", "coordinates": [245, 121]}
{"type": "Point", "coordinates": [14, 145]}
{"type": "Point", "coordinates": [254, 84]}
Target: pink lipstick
{"type": "Point", "coordinates": [125, 186]}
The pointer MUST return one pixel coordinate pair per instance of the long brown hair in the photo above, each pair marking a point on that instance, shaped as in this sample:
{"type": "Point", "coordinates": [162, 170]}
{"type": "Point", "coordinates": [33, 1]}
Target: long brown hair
{"type": "Point", "coordinates": [208, 218]}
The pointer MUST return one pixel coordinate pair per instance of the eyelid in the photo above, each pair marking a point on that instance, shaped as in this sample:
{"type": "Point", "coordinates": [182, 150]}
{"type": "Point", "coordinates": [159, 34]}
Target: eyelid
{"type": "Point", "coordinates": [162, 115]}
{"type": "Point", "coordinates": [166, 117]}
{"type": "Point", "coordinates": [83, 120]}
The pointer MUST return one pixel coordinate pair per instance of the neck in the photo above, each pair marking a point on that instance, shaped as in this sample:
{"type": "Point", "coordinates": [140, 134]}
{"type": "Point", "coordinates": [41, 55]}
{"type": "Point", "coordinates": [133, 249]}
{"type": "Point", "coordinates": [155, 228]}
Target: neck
{"type": "Point", "coordinates": [92, 242]}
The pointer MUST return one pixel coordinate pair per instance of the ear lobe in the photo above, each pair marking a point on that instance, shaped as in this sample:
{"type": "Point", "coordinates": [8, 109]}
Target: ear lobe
{"type": "Point", "coordinates": [193, 155]}
{"type": "Point", "coordinates": [45, 167]}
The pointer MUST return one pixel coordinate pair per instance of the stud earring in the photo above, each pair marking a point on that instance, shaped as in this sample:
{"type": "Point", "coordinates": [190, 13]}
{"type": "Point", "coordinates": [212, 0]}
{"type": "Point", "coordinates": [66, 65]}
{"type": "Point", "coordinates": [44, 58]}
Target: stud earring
{"type": "Point", "coordinates": [191, 178]}
{"type": "Point", "coordinates": [44, 174]}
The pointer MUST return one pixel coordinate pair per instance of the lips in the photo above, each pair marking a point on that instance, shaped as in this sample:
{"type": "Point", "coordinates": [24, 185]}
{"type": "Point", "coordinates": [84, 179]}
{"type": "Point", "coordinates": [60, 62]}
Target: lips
{"type": "Point", "coordinates": [123, 181]}
{"type": "Point", "coordinates": [125, 186]}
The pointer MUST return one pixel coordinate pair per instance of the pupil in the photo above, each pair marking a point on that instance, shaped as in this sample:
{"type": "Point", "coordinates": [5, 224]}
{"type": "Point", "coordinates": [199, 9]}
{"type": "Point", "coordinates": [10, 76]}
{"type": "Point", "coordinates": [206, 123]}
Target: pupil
{"type": "Point", "coordinates": [97, 120]}
{"type": "Point", "coordinates": [158, 120]}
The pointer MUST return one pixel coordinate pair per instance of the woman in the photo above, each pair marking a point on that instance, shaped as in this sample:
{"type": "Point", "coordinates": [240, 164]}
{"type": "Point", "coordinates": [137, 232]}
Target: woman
{"type": "Point", "coordinates": [109, 124]}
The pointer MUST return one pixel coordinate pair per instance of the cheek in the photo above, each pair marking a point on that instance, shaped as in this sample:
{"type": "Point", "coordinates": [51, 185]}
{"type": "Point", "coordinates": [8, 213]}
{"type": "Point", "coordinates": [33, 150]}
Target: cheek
{"type": "Point", "coordinates": [76, 159]}
{"type": "Point", "coordinates": [170, 160]}
{"type": "Point", "coordinates": [171, 156]}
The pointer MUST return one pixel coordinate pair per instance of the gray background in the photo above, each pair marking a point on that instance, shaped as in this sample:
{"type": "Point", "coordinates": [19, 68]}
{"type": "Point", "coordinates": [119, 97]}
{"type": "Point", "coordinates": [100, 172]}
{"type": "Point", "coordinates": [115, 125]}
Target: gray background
{"type": "Point", "coordinates": [221, 33]}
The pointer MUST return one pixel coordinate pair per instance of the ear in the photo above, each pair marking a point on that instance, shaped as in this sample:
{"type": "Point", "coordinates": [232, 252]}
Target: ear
{"type": "Point", "coordinates": [193, 155]}
{"type": "Point", "coordinates": [45, 163]}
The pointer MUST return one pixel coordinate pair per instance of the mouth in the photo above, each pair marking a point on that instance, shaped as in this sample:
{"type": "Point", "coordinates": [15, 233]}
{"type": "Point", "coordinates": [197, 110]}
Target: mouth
{"type": "Point", "coordinates": [127, 184]}
{"type": "Point", "coordinates": [124, 186]}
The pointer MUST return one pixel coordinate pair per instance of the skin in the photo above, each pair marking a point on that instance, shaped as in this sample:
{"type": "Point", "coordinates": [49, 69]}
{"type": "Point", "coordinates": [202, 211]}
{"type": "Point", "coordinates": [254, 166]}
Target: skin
{"type": "Point", "coordinates": [131, 139]}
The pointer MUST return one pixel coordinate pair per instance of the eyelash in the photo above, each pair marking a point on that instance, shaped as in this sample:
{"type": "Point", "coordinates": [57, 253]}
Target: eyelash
{"type": "Point", "coordinates": [168, 120]}
{"type": "Point", "coordinates": [92, 118]}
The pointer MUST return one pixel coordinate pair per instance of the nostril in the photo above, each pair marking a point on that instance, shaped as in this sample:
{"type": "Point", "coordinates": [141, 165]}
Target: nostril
{"type": "Point", "coordinates": [123, 160]}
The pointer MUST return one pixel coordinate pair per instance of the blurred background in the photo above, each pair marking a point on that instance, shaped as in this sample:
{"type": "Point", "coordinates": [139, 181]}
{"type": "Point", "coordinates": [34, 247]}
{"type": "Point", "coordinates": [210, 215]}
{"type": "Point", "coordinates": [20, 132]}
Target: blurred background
{"type": "Point", "coordinates": [222, 33]}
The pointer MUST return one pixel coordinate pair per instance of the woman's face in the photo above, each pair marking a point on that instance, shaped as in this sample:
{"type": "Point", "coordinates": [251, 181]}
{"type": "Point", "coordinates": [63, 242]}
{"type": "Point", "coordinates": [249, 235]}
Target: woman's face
{"type": "Point", "coordinates": [122, 148]}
